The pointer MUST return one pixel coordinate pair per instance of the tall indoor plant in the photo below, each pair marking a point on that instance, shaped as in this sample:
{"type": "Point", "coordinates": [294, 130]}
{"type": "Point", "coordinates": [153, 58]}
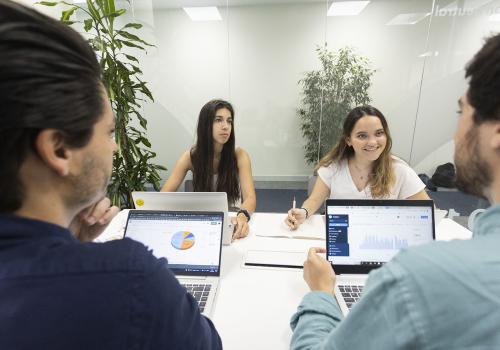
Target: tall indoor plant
{"type": "Point", "coordinates": [328, 95]}
{"type": "Point", "coordinates": [132, 166]}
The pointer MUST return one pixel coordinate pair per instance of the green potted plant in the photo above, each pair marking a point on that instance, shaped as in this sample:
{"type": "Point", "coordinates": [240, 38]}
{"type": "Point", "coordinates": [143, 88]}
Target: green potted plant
{"type": "Point", "coordinates": [328, 95]}
{"type": "Point", "coordinates": [132, 164]}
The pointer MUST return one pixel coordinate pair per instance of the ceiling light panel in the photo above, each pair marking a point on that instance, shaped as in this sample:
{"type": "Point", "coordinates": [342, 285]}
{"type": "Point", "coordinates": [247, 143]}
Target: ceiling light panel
{"type": "Point", "coordinates": [203, 13]}
{"type": "Point", "coordinates": [347, 8]}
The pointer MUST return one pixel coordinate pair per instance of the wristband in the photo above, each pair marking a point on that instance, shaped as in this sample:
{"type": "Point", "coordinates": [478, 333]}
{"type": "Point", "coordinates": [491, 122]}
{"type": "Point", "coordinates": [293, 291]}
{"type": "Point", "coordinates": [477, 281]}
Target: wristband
{"type": "Point", "coordinates": [244, 212]}
{"type": "Point", "coordinates": [307, 212]}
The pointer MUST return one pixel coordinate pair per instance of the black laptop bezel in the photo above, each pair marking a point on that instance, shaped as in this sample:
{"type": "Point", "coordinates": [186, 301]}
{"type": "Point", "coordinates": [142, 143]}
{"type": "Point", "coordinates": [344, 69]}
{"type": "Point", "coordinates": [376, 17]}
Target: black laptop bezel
{"type": "Point", "coordinates": [364, 269]}
{"type": "Point", "coordinates": [179, 272]}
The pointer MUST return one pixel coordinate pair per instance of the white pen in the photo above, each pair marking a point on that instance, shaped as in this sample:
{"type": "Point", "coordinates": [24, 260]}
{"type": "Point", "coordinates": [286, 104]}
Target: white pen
{"type": "Point", "coordinates": [293, 207]}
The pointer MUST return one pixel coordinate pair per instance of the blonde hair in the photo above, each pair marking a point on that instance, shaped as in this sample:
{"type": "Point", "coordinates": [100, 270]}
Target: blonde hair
{"type": "Point", "coordinates": [382, 177]}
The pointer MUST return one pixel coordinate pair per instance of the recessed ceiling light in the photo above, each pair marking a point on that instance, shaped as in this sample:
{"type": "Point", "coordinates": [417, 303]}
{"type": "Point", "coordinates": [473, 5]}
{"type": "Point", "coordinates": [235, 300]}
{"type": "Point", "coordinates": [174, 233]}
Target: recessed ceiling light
{"type": "Point", "coordinates": [407, 19]}
{"type": "Point", "coordinates": [347, 8]}
{"type": "Point", "coordinates": [203, 13]}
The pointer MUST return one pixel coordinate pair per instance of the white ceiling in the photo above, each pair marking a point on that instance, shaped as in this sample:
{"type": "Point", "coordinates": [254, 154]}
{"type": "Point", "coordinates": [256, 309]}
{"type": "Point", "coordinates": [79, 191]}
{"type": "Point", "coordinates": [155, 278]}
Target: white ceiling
{"type": "Point", "coordinates": [188, 3]}
{"type": "Point", "coordinates": [167, 4]}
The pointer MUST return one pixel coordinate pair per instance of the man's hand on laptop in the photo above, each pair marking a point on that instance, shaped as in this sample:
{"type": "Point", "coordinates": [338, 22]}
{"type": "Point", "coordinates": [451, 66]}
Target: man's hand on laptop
{"type": "Point", "coordinates": [318, 272]}
{"type": "Point", "coordinates": [91, 221]}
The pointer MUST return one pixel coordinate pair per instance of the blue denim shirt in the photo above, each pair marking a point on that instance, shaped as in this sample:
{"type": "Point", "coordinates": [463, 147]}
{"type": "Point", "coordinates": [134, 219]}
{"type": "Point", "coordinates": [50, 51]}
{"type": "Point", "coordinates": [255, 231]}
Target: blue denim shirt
{"type": "Point", "coordinates": [443, 295]}
{"type": "Point", "coordinates": [59, 293]}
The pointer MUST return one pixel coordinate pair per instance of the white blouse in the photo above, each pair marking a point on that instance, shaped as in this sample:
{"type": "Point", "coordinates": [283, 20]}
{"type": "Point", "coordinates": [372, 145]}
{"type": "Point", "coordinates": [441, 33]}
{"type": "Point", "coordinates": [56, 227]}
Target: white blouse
{"type": "Point", "coordinates": [338, 178]}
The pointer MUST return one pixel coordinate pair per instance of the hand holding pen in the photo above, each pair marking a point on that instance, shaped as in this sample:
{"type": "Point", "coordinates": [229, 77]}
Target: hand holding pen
{"type": "Point", "coordinates": [296, 216]}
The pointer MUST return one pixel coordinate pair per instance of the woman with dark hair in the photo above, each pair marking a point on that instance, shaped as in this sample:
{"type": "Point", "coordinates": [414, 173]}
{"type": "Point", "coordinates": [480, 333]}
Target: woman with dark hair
{"type": "Point", "coordinates": [217, 165]}
{"type": "Point", "coordinates": [360, 166]}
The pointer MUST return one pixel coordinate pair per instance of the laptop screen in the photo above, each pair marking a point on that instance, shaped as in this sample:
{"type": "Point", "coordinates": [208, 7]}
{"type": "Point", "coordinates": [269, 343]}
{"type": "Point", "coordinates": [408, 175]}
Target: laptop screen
{"type": "Point", "coordinates": [191, 241]}
{"type": "Point", "coordinates": [364, 234]}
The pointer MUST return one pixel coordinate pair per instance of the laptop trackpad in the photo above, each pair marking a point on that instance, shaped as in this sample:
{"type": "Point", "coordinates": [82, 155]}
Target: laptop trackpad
{"type": "Point", "coordinates": [271, 258]}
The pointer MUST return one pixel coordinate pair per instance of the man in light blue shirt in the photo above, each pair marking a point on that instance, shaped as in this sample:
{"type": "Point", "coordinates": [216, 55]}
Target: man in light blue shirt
{"type": "Point", "coordinates": [444, 295]}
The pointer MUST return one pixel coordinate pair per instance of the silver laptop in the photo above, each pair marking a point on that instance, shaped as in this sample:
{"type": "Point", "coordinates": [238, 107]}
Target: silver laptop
{"type": "Point", "coordinates": [190, 201]}
{"type": "Point", "coordinates": [362, 235]}
{"type": "Point", "coordinates": [191, 243]}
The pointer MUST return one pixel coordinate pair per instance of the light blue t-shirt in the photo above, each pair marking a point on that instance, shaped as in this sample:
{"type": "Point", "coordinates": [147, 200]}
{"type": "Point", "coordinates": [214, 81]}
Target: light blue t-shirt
{"type": "Point", "coordinates": [443, 295]}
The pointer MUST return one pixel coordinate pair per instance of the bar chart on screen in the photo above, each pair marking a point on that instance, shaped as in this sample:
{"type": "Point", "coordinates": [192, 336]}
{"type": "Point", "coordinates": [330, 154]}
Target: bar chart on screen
{"type": "Point", "coordinates": [377, 242]}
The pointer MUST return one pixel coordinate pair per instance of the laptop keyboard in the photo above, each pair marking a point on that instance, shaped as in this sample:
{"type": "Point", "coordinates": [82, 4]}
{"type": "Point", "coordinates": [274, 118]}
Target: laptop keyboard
{"type": "Point", "coordinates": [199, 292]}
{"type": "Point", "coordinates": [350, 293]}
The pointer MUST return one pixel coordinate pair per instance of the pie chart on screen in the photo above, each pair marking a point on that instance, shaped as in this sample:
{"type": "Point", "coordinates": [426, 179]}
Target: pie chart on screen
{"type": "Point", "coordinates": [183, 240]}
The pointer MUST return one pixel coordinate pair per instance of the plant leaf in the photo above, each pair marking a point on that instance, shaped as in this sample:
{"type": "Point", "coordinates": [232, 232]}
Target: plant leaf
{"type": "Point", "coordinates": [103, 4]}
{"type": "Point", "coordinates": [87, 24]}
{"type": "Point", "coordinates": [111, 5]}
{"type": "Point", "coordinates": [93, 11]}
{"type": "Point", "coordinates": [66, 15]}
{"type": "Point", "coordinates": [116, 13]}
{"type": "Point", "coordinates": [133, 25]}
{"type": "Point", "coordinates": [145, 141]}
{"type": "Point", "coordinates": [132, 58]}
{"type": "Point", "coordinates": [131, 44]}
{"type": "Point", "coordinates": [132, 37]}
{"type": "Point", "coordinates": [46, 3]}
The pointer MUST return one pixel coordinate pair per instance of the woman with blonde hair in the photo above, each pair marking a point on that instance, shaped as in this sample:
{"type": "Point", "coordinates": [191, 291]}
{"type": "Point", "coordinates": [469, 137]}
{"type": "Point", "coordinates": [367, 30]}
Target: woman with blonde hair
{"type": "Point", "coordinates": [360, 166]}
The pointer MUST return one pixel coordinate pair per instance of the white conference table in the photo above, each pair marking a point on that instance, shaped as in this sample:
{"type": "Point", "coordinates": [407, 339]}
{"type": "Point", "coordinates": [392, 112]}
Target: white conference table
{"type": "Point", "coordinates": [254, 304]}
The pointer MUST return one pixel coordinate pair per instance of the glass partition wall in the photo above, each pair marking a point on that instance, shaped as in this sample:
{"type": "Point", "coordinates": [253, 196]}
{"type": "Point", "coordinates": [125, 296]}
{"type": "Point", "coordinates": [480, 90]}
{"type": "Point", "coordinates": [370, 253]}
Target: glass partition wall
{"type": "Point", "coordinates": [456, 32]}
{"type": "Point", "coordinates": [280, 62]}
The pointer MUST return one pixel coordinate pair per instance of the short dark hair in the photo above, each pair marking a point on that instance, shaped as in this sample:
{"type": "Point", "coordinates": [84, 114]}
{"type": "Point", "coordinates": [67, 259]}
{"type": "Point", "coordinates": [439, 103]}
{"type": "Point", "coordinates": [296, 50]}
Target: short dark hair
{"type": "Point", "coordinates": [49, 78]}
{"type": "Point", "coordinates": [484, 84]}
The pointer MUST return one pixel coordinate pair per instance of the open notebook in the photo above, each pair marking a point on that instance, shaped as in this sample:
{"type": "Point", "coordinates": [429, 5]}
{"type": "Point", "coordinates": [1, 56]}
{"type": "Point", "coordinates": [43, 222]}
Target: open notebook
{"type": "Point", "coordinates": [272, 225]}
